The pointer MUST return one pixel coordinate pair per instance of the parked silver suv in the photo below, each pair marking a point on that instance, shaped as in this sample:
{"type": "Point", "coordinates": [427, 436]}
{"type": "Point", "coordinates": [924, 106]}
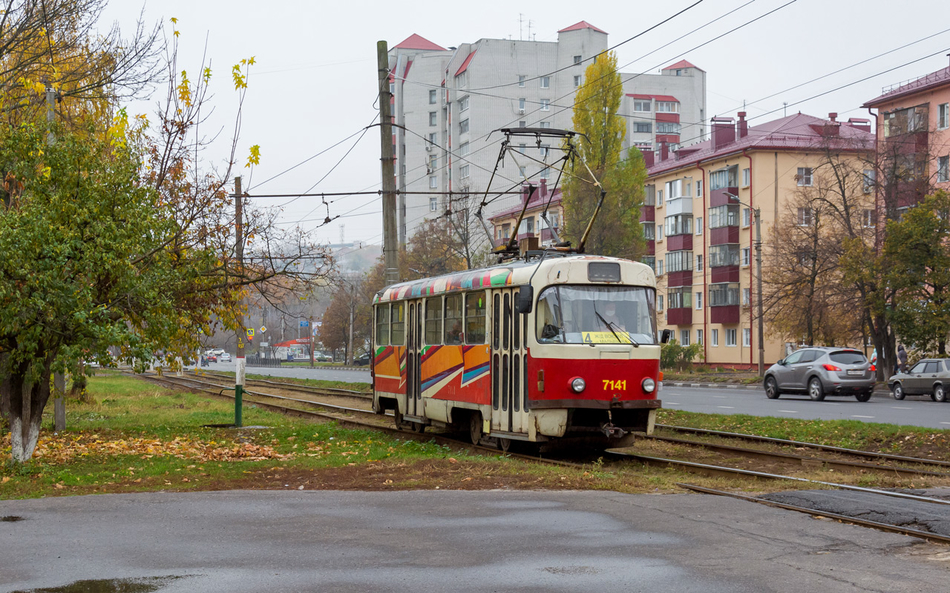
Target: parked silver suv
{"type": "Point", "coordinates": [820, 372]}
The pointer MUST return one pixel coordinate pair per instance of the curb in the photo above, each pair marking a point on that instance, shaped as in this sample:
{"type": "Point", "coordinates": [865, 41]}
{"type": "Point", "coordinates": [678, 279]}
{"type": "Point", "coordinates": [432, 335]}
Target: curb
{"type": "Point", "coordinates": [880, 390]}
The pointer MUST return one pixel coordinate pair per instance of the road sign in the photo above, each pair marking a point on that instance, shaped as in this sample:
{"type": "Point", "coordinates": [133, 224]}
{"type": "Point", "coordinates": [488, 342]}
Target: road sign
{"type": "Point", "coordinates": [304, 323]}
{"type": "Point", "coordinates": [264, 344]}
{"type": "Point", "coordinates": [250, 333]}
{"type": "Point", "coordinates": [263, 329]}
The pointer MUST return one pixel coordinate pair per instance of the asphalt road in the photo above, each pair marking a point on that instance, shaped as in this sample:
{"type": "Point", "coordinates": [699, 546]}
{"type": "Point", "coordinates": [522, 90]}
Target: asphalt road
{"type": "Point", "coordinates": [483, 541]}
{"type": "Point", "coordinates": [913, 411]}
{"type": "Point", "coordinates": [320, 373]}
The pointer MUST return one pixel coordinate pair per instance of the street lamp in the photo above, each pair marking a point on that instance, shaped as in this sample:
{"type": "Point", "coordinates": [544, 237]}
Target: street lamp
{"type": "Point", "coordinates": [758, 265]}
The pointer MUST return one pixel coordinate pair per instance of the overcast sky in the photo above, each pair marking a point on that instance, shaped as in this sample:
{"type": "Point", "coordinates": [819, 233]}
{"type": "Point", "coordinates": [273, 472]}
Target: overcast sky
{"type": "Point", "coordinates": [314, 82]}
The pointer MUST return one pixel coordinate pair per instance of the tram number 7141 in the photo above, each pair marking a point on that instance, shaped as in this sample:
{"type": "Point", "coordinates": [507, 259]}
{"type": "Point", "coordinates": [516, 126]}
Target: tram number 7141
{"type": "Point", "coordinates": [620, 385]}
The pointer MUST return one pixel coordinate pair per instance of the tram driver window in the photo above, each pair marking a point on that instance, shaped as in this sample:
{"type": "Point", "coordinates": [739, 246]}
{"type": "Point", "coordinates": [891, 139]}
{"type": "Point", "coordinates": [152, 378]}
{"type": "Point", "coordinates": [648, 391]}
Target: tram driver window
{"type": "Point", "coordinates": [550, 328]}
{"type": "Point", "coordinates": [398, 324]}
{"type": "Point", "coordinates": [434, 320]}
{"type": "Point", "coordinates": [453, 319]}
{"type": "Point", "coordinates": [382, 324]}
{"type": "Point", "coordinates": [475, 306]}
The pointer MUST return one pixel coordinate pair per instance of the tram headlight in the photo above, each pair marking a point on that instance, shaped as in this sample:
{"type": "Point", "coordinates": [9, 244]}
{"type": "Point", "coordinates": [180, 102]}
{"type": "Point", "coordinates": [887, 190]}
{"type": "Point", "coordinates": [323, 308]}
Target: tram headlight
{"type": "Point", "coordinates": [578, 385]}
{"type": "Point", "coordinates": [648, 385]}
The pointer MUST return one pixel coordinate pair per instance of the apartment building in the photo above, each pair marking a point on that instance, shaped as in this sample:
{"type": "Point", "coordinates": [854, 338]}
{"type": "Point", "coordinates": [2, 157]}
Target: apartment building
{"type": "Point", "coordinates": [699, 224]}
{"type": "Point", "coordinates": [543, 207]}
{"type": "Point", "coordinates": [448, 101]}
{"type": "Point", "coordinates": [913, 134]}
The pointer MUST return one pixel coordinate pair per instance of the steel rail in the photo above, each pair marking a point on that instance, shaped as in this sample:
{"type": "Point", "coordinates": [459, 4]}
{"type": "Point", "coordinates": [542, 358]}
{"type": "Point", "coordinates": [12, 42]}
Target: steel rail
{"type": "Point", "coordinates": [804, 444]}
{"type": "Point", "coordinates": [933, 537]}
{"type": "Point", "coordinates": [804, 460]}
{"type": "Point", "coordinates": [731, 471]}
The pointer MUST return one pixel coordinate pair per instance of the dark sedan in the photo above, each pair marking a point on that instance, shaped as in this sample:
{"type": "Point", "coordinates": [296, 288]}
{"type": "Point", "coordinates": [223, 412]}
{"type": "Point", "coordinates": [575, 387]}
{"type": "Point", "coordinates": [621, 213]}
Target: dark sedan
{"type": "Point", "coordinates": [930, 376]}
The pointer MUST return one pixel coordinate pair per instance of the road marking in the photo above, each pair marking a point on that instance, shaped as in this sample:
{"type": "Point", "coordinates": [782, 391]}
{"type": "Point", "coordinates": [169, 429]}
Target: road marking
{"type": "Point", "coordinates": [789, 411]}
{"type": "Point", "coordinates": [719, 397]}
{"type": "Point", "coordinates": [947, 423]}
{"type": "Point", "coordinates": [905, 408]}
{"type": "Point", "coordinates": [865, 417]}
{"type": "Point", "coordinates": [726, 407]}
{"type": "Point", "coordinates": [666, 403]}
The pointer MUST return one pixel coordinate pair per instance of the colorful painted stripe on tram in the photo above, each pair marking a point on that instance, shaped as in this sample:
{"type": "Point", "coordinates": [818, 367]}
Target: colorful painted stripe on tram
{"type": "Point", "coordinates": [470, 280]}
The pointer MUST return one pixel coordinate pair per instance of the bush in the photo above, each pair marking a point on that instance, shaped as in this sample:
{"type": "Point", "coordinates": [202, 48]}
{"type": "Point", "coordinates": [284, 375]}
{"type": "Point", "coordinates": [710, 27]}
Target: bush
{"type": "Point", "coordinates": [675, 356]}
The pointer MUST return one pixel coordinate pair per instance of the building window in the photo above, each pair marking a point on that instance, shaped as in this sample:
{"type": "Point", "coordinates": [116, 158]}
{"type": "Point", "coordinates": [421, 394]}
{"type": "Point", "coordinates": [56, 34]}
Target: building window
{"type": "Point", "coordinates": [684, 337]}
{"type": "Point", "coordinates": [649, 195]}
{"type": "Point", "coordinates": [726, 254]}
{"type": "Point", "coordinates": [577, 81]}
{"type": "Point", "coordinates": [699, 336]}
{"type": "Point", "coordinates": [699, 225]}
{"type": "Point", "coordinates": [804, 177]}
{"type": "Point", "coordinates": [699, 263]}
{"type": "Point", "coordinates": [521, 79]}
{"type": "Point", "coordinates": [699, 300]}
{"type": "Point", "coordinates": [639, 105]}
{"type": "Point", "coordinates": [747, 337]}
{"type": "Point", "coordinates": [433, 163]}
{"type": "Point", "coordinates": [868, 180]}
{"type": "Point", "coordinates": [649, 231]}
{"type": "Point", "coordinates": [715, 337]}
{"type": "Point", "coordinates": [545, 82]}
{"type": "Point", "coordinates": [433, 182]}
{"type": "Point", "coordinates": [746, 217]}
{"type": "Point", "coordinates": [433, 138]}
{"type": "Point", "coordinates": [943, 169]}
{"type": "Point", "coordinates": [679, 298]}
{"type": "Point", "coordinates": [433, 204]}
{"type": "Point", "coordinates": [804, 217]}
{"type": "Point", "coordinates": [463, 149]}
{"type": "Point", "coordinates": [463, 171]}
{"type": "Point", "coordinates": [659, 302]}
{"type": "Point", "coordinates": [544, 150]}
{"type": "Point", "coordinates": [463, 126]}
{"type": "Point", "coordinates": [463, 103]}
{"type": "Point", "coordinates": [461, 80]}
{"type": "Point", "coordinates": [869, 219]}
{"type": "Point", "coordinates": [522, 171]}
{"type": "Point", "coordinates": [521, 104]}
{"type": "Point", "coordinates": [746, 296]}
{"type": "Point", "coordinates": [667, 107]}
{"type": "Point", "coordinates": [545, 104]}
{"type": "Point", "coordinates": [723, 216]}
{"type": "Point", "coordinates": [659, 232]}
{"type": "Point", "coordinates": [679, 224]}
{"type": "Point", "coordinates": [723, 178]}
{"type": "Point", "coordinates": [545, 174]}
{"type": "Point", "coordinates": [699, 188]}
{"type": "Point", "coordinates": [522, 148]}
{"type": "Point", "coordinates": [643, 127]}
{"type": "Point", "coordinates": [667, 127]}
{"type": "Point", "coordinates": [433, 118]}
{"type": "Point", "coordinates": [943, 116]}
{"type": "Point", "coordinates": [544, 125]}
{"type": "Point", "coordinates": [659, 267]}
{"type": "Point", "coordinates": [730, 337]}
{"type": "Point", "coordinates": [577, 60]}
{"type": "Point", "coordinates": [650, 261]}
{"type": "Point", "coordinates": [432, 96]}
{"type": "Point", "coordinates": [659, 198]}
{"type": "Point", "coordinates": [745, 256]}
{"type": "Point", "coordinates": [725, 294]}
{"type": "Point", "coordinates": [679, 261]}
{"type": "Point", "coordinates": [746, 177]}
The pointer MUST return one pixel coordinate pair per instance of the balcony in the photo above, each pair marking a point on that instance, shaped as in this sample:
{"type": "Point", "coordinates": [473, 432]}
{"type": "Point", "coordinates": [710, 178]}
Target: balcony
{"type": "Point", "coordinates": [682, 278]}
{"type": "Point", "coordinates": [728, 314]}
{"type": "Point", "coordinates": [723, 274]}
{"type": "Point", "coordinates": [723, 235]}
{"type": "Point", "coordinates": [679, 243]}
{"type": "Point", "coordinates": [719, 197]}
{"type": "Point", "coordinates": [682, 316]}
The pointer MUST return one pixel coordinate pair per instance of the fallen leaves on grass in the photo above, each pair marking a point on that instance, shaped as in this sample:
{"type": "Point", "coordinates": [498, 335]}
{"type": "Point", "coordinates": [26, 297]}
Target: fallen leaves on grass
{"type": "Point", "coordinates": [65, 448]}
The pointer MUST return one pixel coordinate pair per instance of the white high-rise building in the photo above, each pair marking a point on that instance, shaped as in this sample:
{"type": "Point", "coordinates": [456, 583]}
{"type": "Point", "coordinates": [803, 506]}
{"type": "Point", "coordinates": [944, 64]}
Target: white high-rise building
{"type": "Point", "coordinates": [447, 102]}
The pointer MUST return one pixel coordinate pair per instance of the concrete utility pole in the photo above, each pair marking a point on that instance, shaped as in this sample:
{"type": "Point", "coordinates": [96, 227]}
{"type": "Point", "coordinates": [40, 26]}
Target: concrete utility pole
{"type": "Point", "coordinates": [390, 238]}
{"type": "Point", "coordinates": [239, 356]}
{"type": "Point", "coordinates": [758, 271]}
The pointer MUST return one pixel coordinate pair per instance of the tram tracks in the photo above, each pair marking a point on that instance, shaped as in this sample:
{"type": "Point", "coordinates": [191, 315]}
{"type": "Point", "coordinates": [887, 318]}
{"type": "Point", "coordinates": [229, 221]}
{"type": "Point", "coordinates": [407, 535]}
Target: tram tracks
{"type": "Point", "coordinates": [347, 416]}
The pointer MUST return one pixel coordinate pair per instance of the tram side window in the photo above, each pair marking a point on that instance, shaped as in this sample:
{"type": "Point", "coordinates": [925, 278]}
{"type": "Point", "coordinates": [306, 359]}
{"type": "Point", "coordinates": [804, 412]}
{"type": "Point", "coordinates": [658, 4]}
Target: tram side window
{"type": "Point", "coordinates": [475, 306]}
{"type": "Point", "coordinates": [550, 327]}
{"type": "Point", "coordinates": [453, 319]}
{"type": "Point", "coordinates": [382, 324]}
{"type": "Point", "coordinates": [399, 324]}
{"type": "Point", "coordinates": [434, 320]}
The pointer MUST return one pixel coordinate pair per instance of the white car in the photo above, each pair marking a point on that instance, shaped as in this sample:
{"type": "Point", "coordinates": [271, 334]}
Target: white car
{"type": "Point", "coordinates": [224, 357]}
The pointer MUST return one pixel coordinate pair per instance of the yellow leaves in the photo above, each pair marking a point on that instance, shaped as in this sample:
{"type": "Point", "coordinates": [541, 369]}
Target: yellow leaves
{"type": "Point", "coordinates": [184, 89]}
{"type": "Point", "coordinates": [174, 28]}
{"type": "Point", "coordinates": [255, 157]}
{"type": "Point", "coordinates": [237, 73]}
{"type": "Point", "coordinates": [207, 74]}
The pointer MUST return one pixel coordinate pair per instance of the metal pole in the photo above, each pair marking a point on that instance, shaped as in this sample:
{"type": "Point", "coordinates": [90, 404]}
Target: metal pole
{"type": "Point", "coordinates": [390, 237]}
{"type": "Point", "coordinates": [758, 265]}
{"type": "Point", "coordinates": [241, 332]}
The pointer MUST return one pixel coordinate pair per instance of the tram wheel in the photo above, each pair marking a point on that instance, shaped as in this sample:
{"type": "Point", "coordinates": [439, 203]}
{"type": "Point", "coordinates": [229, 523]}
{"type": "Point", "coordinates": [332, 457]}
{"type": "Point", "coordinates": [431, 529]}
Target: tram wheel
{"type": "Point", "coordinates": [504, 445]}
{"type": "Point", "coordinates": [397, 419]}
{"type": "Point", "coordinates": [475, 427]}
{"type": "Point", "coordinates": [418, 427]}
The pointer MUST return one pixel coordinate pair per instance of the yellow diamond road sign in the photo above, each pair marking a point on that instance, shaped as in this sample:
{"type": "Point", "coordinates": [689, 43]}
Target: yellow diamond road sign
{"type": "Point", "coordinates": [263, 329]}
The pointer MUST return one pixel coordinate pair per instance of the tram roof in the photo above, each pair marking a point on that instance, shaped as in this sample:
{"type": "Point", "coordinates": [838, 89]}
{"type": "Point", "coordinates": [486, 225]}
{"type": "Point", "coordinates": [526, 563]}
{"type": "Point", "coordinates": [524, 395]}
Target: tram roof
{"type": "Point", "coordinates": [513, 273]}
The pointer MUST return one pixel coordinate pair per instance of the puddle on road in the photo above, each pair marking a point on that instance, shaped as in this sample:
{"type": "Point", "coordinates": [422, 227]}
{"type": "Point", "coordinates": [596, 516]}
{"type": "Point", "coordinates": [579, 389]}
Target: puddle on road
{"type": "Point", "coordinates": [145, 585]}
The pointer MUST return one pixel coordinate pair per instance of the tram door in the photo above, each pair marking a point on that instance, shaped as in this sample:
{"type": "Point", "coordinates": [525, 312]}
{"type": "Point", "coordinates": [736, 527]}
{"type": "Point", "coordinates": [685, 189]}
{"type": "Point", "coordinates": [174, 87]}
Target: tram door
{"type": "Point", "coordinates": [509, 388]}
{"type": "Point", "coordinates": [413, 363]}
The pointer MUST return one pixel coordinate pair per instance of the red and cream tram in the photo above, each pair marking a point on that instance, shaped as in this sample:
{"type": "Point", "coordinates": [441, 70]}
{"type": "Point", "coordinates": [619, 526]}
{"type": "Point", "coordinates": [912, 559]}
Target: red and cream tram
{"type": "Point", "coordinates": [531, 350]}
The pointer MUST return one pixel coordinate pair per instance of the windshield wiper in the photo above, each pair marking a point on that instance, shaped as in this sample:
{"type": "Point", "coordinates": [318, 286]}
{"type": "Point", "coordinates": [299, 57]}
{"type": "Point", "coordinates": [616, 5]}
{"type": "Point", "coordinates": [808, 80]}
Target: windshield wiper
{"type": "Point", "coordinates": [610, 325]}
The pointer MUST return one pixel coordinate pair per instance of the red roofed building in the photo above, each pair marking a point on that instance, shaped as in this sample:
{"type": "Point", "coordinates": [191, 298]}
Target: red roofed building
{"type": "Point", "coordinates": [913, 132]}
{"type": "Point", "coordinates": [700, 240]}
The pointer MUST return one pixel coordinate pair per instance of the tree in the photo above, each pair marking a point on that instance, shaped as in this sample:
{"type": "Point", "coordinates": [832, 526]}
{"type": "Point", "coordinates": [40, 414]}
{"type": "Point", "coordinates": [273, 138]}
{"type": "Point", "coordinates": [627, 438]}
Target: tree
{"type": "Point", "coordinates": [617, 230]}
{"type": "Point", "coordinates": [919, 254]}
{"type": "Point", "coordinates": [433, 250]}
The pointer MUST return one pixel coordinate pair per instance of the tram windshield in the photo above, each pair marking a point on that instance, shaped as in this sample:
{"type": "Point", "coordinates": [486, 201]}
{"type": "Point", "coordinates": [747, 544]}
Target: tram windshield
{"type": "Point", "coordinates": [596, 315]}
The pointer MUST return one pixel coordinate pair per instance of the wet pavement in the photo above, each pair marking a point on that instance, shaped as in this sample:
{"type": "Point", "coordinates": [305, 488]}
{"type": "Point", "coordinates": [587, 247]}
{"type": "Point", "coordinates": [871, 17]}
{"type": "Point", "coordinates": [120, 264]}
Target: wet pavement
{"type": "Point", "coordinates": [262, 541]}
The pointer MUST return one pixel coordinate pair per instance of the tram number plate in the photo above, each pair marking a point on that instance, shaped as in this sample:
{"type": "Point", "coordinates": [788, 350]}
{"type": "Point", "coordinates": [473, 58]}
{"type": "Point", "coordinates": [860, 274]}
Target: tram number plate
{"type": "Point", "coordinates": [620, 385]}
